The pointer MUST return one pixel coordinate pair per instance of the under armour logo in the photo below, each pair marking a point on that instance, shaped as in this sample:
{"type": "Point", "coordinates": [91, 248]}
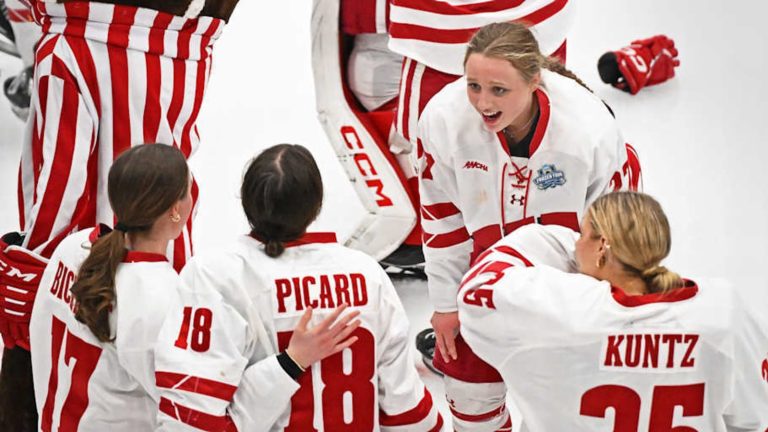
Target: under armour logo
{"type": "Point", "coordinates": [765, 370]}
{"type": "Point", "coordinates": [515, 199]}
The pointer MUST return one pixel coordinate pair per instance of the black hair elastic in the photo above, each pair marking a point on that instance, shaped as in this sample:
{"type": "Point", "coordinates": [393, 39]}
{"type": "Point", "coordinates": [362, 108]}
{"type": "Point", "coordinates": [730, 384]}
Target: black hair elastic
{"type": "Point", "coordinates": [124, 228]}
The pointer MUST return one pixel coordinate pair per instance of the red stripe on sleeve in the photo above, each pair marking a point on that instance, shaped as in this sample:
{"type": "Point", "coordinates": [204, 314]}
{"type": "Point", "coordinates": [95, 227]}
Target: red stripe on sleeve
{"type": "Point", "coordinates": [513, 252]}
{"type": "Point", "coordinates": [446, 240]}
{"type": "Point", "coordinates": [198, 419]}
{"type": "Point", "coordinates": [412, 416]}
{"type": "Point", "coordinates": [193, 384]}
{"type": "Point", "coordinates": [152, 107]}
{"type": "Point", "coordinates": [118, 66]}
{"type": "Point", "coordinates": [455, 36]}
{"type": "Point", "coordinates": [439, 211]}
{"type": "Point", "coordinates": [478, 417]}
{"type": "Point", "coordinates": [61, 167]}
{"type": "Point", "coordinates": [407, 98]}
{"type": "Point", "coordinates": [179, 81]}
{"type": "Point", "coordinates": [449, 9]}
{"type": "Point", "coordinates": [439, 426]}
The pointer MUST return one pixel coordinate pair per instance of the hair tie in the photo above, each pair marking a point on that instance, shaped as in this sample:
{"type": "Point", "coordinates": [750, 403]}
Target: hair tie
{"type": "Point", "coordinates": [653, 272]}
{"type": "Point", "coordinates": [124, 228]}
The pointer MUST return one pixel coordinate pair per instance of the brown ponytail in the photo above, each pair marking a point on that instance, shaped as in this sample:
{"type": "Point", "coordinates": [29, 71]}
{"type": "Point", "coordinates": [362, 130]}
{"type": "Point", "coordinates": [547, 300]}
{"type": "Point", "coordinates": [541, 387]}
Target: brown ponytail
{"type": "Point", "coordinates": [144, 182]}
{"type": "Point", "coordinates": [95, 285]}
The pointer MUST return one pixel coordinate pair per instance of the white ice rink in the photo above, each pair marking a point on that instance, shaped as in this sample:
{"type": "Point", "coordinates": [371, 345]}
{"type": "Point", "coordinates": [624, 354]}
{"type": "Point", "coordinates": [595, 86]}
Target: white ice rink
{"type": "Point", "coordinates": [702, 137]}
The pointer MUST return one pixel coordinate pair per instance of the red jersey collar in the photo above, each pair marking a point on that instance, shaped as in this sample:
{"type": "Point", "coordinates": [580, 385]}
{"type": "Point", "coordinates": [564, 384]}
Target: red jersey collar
{"type": "Point", "coordinates": [541, 125]}
{"type": "Point", "coordinates": [307, 238]}
{"type": "Point", "coordinates": [688, 290]}
{"type": "Point", "coordinates": [136, 257]}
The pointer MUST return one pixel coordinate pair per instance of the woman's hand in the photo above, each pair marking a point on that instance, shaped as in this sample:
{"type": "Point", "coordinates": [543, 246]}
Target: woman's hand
{"type": "Point", "coordinates": [446, 325]}
{"type": "Point", "coordinates": [309, 345]}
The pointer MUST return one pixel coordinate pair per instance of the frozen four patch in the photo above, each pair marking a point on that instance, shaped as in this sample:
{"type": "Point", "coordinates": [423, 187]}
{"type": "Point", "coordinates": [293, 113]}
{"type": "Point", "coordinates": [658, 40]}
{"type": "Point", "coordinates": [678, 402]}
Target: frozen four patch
{"type": "Point", "coordinates": [549, 177]}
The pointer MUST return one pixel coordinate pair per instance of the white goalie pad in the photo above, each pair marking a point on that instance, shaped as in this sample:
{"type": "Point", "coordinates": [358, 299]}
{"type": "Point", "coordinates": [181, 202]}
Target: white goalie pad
{"type": "Point", "coordinates": [362, 150]}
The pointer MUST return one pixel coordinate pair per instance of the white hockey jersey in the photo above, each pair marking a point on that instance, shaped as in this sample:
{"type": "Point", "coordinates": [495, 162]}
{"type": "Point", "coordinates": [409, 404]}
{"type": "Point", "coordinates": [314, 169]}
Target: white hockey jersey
{"type": "Point", "coordinates": [473, 192]}
{"type": "Point", "coordinates": [580, 355]}
{"type": "Point", "coordinates": [436, 33]}
{"type": "Point", "coordinates": [371, 386]}
{"type": "Point", "coordinates": [81, 383]}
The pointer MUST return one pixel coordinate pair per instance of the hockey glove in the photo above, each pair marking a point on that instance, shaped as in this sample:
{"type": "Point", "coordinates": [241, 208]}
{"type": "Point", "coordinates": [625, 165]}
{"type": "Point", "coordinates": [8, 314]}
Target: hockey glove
{"type": "Point", "coordinates": [20, 274]}
{"type": "Point", "coordinates": [643, 63]}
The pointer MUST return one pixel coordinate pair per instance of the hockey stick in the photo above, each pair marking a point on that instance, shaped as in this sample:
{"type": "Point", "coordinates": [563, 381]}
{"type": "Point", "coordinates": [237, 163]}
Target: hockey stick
{"type": "Point", "coordinates": [8, 48]}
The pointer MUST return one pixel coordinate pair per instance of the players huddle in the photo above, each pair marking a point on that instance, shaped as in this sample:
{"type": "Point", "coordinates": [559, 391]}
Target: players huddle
{"type": "Point", "coordinates": [289, 330]}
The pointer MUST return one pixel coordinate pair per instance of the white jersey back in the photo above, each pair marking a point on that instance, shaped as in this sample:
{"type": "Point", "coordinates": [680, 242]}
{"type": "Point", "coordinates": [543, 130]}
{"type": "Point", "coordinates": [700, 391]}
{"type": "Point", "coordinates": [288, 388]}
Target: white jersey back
{"type": "Point", "coordinates": [580, 355]}
{"type": "Point", "coordinates": [371, 386]}
{"type": "Point", "coordinates": [84, 384]}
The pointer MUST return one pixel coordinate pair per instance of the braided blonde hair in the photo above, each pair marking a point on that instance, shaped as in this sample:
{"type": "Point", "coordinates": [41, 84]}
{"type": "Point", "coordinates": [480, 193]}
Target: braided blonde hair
{"type": "Point", "coordinates": [515, 43]}
{"type": "Point", "coordinates": [638, 233]}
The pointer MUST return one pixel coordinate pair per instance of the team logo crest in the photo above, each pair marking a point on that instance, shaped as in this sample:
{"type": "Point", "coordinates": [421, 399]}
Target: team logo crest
{"type": "Point", "coordinates": [549, 177]}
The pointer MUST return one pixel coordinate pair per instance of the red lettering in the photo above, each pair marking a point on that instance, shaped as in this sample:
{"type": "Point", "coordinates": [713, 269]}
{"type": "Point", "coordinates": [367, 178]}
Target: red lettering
{"type": "Point", "coordinates": [57, 280]}
{"type": "Point", "coordinates": [612, 356]}
{"type": "Point", "coordinates": [342, 288]}
{"type": "Point", "coordinates": [671, 340]}
{"type": "Point", "coordinates": [688, 359]}
{"type": "Point", "coordinates": [68, 280]}
{"type": "Point", "coordinates": [362, 157]}
{"type": "Point", "coordinates": [305, 282]}
{"type": "Point", "coordinates": [359, 290]}
{"type": "Point", "coordinates": [378, 187]}
{"type": "Point", "coordinates": [283, 289]}
{"type": "Point", "coordinates": [632, 350]}
{"type": "Point", "coordinates": [326, 299]}
{"type": "Point", "coordinates": [348, 132]}
{"type": "Point", "coordinates": [765, 370]}
{"type": "Point", "coordinates": [651, 358]}
{"type": "Point", "coordinates": [299, 301]}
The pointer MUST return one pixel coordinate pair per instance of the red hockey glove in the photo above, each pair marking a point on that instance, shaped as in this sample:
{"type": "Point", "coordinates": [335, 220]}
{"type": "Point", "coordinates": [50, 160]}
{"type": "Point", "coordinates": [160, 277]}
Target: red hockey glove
{"type": "Point", "coordinates": [643, 63]}
{"type": "Point", "coordinates": [20, 274]}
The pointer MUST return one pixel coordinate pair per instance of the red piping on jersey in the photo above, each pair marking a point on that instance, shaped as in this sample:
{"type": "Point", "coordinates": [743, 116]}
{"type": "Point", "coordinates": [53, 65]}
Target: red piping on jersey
{"type": "Point", "coordinates": [198, 419]}
{"type": "Point", "coordinates": [137, 257]}
{"type": "Point", "coordinates": [412, 416]}
{"type": "Point", "coordinates": [307, 238]}
{"type": "Point", "coordinates": [688, 290]}
{"type": "Point", "coordinates": [541, 125]}
{"type": "Point", "coordinates": [195, 384]}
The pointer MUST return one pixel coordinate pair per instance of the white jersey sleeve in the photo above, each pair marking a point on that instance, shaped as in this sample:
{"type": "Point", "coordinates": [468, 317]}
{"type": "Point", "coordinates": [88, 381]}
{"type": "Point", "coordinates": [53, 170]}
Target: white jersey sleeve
{"type": "Point", "coordinates": [446, 242]}
{"type": "Point", "coordinates": [202, 362]}
{"type": "Point", "coordinates": [749, 406]}
{"type": "Point", "coordinates": [144, 295]}
{"type": "Point", "coordinates": [404, 402]}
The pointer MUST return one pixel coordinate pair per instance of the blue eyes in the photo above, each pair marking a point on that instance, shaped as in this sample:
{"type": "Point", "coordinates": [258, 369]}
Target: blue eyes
{"type": "Point", "coordinates": [497, 91]}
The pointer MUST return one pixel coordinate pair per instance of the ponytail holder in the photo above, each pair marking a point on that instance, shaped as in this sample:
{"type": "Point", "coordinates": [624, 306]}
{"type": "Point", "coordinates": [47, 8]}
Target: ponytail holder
{"type": "Point", "coordinates": [123, 227]}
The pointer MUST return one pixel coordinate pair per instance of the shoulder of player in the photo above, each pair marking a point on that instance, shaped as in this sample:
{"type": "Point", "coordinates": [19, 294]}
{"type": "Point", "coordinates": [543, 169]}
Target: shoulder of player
{"type": "Point", "coordinates": [714, 306]}
{"type": "Point", "coordinates": [576, 115]}
{"type": "Point", "coordinates": [447, 113]}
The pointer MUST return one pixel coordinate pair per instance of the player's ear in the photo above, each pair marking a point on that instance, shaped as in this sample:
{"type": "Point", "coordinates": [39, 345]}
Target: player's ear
{"type": "Point", "coordinates": [535, 81]}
